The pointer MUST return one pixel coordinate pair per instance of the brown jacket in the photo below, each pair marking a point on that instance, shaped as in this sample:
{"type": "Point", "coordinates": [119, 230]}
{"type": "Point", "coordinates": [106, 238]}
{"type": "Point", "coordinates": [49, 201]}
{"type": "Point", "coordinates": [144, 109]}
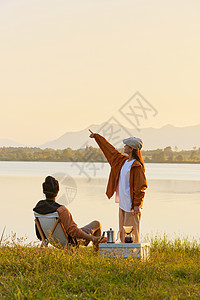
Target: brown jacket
{"type": "Point", "coordinates": [68, 222]}
{"type": "Point", "coordinates": [138, 182]}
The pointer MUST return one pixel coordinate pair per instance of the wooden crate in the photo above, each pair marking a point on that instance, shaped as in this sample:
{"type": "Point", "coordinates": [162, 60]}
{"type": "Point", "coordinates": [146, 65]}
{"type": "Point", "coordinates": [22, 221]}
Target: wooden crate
{"type": "Point", "coordinates": [140, 250]}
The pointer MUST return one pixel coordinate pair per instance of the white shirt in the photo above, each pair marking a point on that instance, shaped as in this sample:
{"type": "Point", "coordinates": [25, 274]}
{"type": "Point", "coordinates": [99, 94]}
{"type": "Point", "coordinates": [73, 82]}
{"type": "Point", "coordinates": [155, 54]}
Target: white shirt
{"type": "Point", "coordinates": [122, 195]}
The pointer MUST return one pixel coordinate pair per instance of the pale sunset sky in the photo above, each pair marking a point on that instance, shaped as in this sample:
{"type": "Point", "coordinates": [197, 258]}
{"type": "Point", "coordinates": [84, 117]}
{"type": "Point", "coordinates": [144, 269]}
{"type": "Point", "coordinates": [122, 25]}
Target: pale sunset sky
{"type": "Point", "coordinates": [68, 64]}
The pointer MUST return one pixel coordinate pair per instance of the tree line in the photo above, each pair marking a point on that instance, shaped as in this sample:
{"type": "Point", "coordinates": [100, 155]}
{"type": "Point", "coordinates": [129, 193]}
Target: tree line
{"type": "Point", "coordinates": [91, 154]}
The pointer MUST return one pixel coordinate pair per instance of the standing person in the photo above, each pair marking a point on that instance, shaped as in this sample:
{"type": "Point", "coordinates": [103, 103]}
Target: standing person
{"type": "Point", "coordinates": [90, 232]}
{"type": "Point", "coordinates": [127, 179]}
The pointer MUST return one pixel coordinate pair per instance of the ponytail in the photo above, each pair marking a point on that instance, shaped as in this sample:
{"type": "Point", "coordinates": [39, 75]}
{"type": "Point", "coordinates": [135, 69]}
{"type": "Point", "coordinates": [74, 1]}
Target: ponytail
{"type": "Point", "coordinates": [138, 156]}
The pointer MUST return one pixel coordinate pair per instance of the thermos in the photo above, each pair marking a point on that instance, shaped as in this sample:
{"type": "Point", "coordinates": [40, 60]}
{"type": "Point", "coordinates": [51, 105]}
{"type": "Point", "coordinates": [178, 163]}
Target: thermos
{"type": "Point", "coordinates": [110, 235]}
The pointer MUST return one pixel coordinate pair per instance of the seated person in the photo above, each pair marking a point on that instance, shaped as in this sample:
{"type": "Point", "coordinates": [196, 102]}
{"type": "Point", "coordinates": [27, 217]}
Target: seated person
{"type": "Point", "coordinates": [90, 232]}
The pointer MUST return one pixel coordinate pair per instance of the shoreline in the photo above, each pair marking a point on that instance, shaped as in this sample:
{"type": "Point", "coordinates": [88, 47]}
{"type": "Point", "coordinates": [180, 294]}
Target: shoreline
{"type": "Point", "coordinates": [105, 162]}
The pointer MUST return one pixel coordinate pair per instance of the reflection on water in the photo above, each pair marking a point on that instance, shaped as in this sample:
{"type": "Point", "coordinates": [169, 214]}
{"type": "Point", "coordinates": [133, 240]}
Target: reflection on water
{"type": "Point", "coordinates": [170, 206]}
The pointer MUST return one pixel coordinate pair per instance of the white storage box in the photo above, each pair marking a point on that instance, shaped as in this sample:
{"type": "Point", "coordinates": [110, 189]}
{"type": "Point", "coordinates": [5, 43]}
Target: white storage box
{"type": "Point", "coordinates": [140, 250]}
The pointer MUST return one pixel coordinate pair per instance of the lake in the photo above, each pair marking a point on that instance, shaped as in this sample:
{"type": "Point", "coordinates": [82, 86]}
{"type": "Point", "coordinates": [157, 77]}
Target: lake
{"type": "Point", "coordinates": [171, 204]}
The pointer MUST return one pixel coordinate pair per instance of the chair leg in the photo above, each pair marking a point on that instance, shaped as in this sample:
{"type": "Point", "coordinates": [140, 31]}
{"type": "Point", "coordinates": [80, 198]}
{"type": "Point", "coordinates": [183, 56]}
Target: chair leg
{"type": "Point", "coordinates": [52, 232]}
{"type": "Point", "coordinates": [66, 235]}
{"type": "Point", "coordinates": [54, 227]}
{"type": "Point", "coordinates": [66, 245]}
{"type": "Point", "coordinates": [44, 241]}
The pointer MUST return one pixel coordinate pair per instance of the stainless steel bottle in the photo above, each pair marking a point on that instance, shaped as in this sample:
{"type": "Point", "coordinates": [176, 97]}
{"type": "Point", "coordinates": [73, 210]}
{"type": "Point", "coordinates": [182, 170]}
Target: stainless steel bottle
{"type": "Point", "coordinates": [110, 236]}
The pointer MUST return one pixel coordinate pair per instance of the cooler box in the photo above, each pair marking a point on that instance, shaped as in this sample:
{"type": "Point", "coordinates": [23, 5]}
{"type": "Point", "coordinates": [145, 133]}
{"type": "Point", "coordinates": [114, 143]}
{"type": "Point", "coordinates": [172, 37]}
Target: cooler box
{"type": "Point", "coordinates": [139, 250]}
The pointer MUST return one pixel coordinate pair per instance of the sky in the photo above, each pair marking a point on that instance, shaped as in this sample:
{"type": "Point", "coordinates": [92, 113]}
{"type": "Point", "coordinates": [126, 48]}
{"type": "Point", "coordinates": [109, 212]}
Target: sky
{"type": "Point", "coordinates": [65, 65]}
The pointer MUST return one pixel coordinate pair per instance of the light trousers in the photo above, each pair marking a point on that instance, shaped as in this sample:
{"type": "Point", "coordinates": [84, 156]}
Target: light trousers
{"type": "Point", "coordinates": [127, 219]}
{"type": "Point", "coordinates": [93, 228]}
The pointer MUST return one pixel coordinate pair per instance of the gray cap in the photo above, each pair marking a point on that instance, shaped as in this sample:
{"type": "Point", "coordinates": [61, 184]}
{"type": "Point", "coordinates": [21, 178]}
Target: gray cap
{"type": "Point", "coordinates": [134, 142]}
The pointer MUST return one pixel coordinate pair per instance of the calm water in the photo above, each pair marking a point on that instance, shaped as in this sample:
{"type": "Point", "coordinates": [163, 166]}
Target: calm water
{"type": "Point", "coordinates": [101, 170]}
{"type": "Point", "coordinates": [171, 205]}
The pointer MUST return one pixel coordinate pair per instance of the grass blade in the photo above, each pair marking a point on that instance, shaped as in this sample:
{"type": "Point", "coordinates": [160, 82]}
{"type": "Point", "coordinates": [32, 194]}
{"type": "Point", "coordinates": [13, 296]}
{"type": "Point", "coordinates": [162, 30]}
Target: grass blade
{"type": "Point", "coordinates": [1, 239]}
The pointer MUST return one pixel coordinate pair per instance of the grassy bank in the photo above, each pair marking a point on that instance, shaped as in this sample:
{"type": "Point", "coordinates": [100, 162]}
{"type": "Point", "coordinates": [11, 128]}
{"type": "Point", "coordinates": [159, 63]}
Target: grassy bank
{"type": "Point", "coordinates": [173, 272]}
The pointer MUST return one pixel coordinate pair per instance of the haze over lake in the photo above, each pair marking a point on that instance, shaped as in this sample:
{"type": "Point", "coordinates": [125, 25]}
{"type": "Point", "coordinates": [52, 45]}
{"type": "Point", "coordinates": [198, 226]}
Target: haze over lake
{"type": "Point", "coordinates": [171, 204]}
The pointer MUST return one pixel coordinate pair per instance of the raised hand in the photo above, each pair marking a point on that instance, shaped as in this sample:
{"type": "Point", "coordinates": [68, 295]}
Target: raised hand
{"type": "Point", "coordinates": [92, 134]}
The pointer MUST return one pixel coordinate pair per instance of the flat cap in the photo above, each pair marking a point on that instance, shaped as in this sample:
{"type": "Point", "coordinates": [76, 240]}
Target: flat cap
{"type": "Point", "coordinates": [134, 142]}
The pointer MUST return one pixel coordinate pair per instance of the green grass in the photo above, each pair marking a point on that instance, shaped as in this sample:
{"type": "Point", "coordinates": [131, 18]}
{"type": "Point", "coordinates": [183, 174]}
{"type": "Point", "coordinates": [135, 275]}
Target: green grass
{"type": "Point", "coordinates": [172, 272]}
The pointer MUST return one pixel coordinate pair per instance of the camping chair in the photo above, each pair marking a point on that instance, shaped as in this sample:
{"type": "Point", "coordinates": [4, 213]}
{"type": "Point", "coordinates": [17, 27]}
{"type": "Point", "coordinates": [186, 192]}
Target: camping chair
{"type": "Point", "coordinates": [51, 230]}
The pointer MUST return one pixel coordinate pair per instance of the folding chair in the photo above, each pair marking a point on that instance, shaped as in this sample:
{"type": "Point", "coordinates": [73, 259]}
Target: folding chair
{"type": "Point", "coordinates": [51, 230]}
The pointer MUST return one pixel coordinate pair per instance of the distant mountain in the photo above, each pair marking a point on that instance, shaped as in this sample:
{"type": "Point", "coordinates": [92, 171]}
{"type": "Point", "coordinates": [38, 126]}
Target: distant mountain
{"type": "Point", "coordinates": [153, 138]}
{"type": "Point", "coordinates": [10, 143]}
{"type": "Point", "coordinates": [73, 140]}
